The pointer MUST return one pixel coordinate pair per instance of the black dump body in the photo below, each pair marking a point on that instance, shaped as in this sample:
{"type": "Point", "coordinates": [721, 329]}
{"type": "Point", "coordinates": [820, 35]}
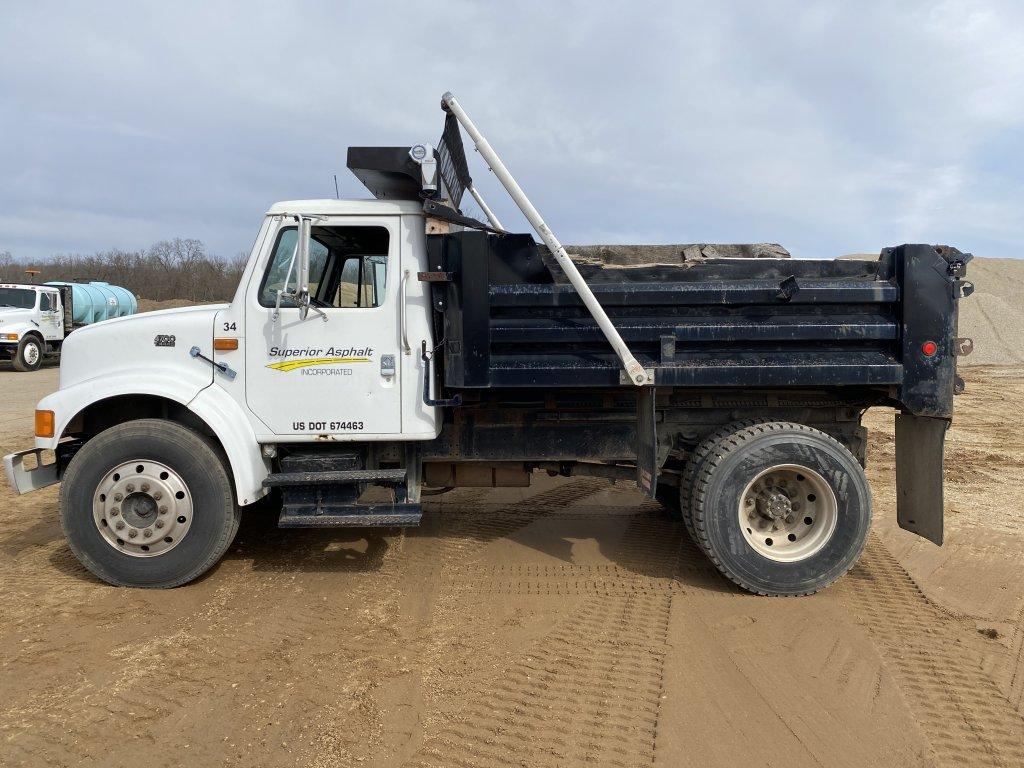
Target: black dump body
{"type": "Point", "coordinates": [508, 320]}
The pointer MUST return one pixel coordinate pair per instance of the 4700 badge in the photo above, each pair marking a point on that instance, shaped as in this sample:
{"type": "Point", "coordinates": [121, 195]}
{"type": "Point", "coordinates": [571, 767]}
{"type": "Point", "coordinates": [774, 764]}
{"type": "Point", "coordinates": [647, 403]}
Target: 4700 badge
{"type": "Point", "coordinates": [322, 427]}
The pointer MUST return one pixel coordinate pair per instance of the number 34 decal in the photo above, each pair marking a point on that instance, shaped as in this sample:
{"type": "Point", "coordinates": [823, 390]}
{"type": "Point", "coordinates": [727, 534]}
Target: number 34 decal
{"type": "Point", "coordinates": [230, 326]}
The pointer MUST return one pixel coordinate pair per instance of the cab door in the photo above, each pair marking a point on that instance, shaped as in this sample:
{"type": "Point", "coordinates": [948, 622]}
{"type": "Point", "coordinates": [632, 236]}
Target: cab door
{"type": "Point", "coordinates": [50, 316]}
{"type": "Point", "coordinates": [333, 373]}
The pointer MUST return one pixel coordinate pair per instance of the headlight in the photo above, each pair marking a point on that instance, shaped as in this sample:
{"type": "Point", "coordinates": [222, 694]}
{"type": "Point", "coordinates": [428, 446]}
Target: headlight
{"type": "Point", "coordinates": [9, 336]}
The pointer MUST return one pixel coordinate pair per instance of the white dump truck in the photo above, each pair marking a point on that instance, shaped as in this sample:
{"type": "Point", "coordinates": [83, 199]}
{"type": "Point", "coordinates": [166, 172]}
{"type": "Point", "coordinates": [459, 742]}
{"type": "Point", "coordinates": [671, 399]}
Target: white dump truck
{"type": "Point", "coordinates": [36, 319]}
{"type": "Point", "coordinates": [378, 350]}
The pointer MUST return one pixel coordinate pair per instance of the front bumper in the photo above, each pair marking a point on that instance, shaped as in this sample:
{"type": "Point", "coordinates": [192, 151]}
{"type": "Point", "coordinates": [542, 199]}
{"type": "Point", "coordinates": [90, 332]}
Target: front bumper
{"type": "Point", "coordinates": [24, 479]}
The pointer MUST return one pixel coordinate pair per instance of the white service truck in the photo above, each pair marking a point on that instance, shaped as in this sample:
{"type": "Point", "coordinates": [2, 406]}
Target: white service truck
{"type": "Point", "coordinates": [36, 319]}
{"type": "Point", "coordinates": [31, 324]}
{"type": "Point", "coordinates": [375, 348]}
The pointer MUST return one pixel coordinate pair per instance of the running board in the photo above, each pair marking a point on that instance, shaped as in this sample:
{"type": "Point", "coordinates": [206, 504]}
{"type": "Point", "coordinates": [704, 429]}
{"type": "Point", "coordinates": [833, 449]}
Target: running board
{"type": "Point", "coordinates": [335, 477]}
{"type": "Point", "coordinates": [352, 516]}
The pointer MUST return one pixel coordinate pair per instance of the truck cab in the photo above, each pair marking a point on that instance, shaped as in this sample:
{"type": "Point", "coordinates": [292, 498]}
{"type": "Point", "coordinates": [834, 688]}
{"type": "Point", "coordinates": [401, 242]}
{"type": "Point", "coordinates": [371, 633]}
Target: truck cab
{"type": "Point", "coordinates": [31, 323]}
{"type": "Point", "coordinates": [344, 368]}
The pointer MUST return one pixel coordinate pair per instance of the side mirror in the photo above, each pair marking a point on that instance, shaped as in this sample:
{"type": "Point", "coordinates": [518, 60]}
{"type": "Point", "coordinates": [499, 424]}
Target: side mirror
{"type": "Point", "coordinates": [302, 266]}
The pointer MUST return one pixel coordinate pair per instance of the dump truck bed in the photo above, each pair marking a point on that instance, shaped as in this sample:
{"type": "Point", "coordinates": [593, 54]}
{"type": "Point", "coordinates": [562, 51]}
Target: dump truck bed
{"type": "Point", "coordinates": [508, 320]}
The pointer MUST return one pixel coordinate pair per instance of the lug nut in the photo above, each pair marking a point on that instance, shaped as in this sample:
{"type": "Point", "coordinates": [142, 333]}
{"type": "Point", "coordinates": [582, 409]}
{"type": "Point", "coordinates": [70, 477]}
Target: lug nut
{"type": "Point", "coordinates": [132, 533]}
{"type": "Point", "coordinates": [159, 523]}
{"type": "Point", "coordinates": [118, 497]}
{"type": "Point", "coordinates": [163, 510]}
{"type": "Point", "coordinates": [120, 525]}
{"type": "Point", "coordinates": [147, 533]}
{"type": "Point", "coordinates": [145, 487]}
{"type": "Point", "coordinates": [157, 495]}
{"type": "Point", "coordinates": [115, 512]}
{"type": "Point", "coordinates": [130, 488]}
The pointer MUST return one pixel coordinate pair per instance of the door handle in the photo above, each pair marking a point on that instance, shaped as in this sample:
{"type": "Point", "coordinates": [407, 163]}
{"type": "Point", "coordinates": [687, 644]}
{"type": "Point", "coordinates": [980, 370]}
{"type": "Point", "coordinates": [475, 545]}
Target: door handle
{"type": "Point", "coordinates": [403, 296]}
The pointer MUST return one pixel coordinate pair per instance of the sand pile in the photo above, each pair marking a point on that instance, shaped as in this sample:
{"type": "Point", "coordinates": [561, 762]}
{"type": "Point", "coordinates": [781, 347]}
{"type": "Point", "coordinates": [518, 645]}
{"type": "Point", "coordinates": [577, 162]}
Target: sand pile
{"type": "Point", "coordinates": [994, 315]}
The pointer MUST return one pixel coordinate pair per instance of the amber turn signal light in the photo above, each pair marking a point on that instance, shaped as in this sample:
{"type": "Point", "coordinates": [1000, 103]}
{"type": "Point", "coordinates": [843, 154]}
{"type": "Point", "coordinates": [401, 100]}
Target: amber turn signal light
{"type": "Point", "coordinates": [225, 345]}
{"type": "Point", "coordinates": [9, 336]}
{"type": "Point", "coordinates": [44, 423]}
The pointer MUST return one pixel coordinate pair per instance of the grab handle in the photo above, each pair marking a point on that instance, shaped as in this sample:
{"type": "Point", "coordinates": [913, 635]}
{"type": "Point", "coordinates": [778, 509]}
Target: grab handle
{"type": "Point", "coordinates": [402, 301]}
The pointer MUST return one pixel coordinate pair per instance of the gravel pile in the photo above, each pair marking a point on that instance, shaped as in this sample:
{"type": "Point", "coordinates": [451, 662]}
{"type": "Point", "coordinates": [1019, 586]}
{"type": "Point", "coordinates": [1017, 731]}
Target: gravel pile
{"type": "Point", "coordinates": [994, 315]}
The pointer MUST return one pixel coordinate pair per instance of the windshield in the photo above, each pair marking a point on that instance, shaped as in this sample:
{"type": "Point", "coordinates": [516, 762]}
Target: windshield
{"type": "Point", "coordinates": [21, 298]}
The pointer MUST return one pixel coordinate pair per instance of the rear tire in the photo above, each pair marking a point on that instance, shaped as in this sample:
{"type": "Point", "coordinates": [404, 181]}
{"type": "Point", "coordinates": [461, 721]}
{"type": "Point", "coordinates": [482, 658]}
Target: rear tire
{"type": "Point", "coordinates": [29, 355]}
{"type": "Point", "coordinates": [700, 454]}
{"type": "Point", "coordinates": [781, 508]}
{"type": "Point", "coordinates": [159, 483]}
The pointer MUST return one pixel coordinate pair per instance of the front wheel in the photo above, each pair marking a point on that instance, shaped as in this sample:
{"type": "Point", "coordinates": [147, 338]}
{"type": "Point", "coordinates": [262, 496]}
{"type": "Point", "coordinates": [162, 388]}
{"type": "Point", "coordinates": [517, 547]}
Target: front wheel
{"type": "Point", "coordinates": [148, 503]}
{"type": "Point", "coordinates": [29, 354]}
{"type": "Point", "coordinates": [781, 508]}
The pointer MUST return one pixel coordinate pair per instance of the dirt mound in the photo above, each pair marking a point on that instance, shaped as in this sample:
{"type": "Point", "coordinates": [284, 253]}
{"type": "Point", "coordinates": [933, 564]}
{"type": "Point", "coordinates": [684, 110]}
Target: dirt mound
{"type": "Point", "coordinates": [152, 305]}
{"type": "Point", "coordinates": [994, 315]}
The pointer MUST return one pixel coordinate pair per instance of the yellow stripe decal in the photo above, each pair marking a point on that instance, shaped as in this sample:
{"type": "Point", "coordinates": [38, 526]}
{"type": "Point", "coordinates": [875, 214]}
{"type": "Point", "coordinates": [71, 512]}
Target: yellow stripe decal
{"type": "Point", "coordinates": [291, 365]}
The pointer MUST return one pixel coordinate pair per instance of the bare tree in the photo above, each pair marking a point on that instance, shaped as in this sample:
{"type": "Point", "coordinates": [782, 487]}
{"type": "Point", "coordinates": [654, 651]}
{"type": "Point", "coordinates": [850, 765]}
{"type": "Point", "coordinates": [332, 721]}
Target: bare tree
{"type": "Point", "coordinates": [170, 269]}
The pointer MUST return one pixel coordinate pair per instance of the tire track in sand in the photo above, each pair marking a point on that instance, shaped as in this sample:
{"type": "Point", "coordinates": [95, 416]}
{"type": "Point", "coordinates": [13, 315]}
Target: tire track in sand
{"type": "Point", "coordinates": [967, 719]}
{"type": "Point", "coordinates": [588, 691]}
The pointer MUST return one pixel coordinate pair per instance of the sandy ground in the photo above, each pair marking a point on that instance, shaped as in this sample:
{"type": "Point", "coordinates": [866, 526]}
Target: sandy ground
{"type": "Point", "coordinates": [569, 624]}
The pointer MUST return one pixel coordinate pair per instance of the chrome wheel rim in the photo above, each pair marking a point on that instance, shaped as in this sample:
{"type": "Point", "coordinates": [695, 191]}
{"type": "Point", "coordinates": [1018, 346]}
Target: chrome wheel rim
{"type": "Point", "coordinates": [31, 353]}
{"type": "Point", "coordinates": [788, 513]}
{"type": "Point", "coordinates": [142, 508]}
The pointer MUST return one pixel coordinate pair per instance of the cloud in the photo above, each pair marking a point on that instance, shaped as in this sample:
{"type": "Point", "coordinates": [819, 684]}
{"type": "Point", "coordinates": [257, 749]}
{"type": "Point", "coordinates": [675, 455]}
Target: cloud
{"type": "Point", "coordinates": [831, 128]}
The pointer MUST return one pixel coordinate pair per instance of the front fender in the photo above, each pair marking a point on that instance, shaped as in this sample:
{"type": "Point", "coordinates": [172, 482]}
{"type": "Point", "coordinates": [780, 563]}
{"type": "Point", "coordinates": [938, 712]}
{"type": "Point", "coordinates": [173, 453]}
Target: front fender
{"type": "Point", "coordinates": [212, 405]}
{"type": "Point", "coordinates": [225, 417]}
{"type": "Point", "coordinates": [21, 329]}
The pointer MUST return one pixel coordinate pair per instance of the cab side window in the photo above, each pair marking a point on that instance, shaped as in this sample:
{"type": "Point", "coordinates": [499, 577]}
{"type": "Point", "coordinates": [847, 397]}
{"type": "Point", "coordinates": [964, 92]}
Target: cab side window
{"type": "Point", "coordinates": [45, 304]}
{"type": "Point", "coordinates": [362, 282]}
{"type": "Point", "coordinates": [347, 267]}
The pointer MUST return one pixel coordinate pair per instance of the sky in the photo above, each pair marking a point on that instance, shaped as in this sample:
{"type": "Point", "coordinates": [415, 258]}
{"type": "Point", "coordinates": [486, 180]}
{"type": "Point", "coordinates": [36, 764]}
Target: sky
{"type": "Point", "coordinates": [828, 127]}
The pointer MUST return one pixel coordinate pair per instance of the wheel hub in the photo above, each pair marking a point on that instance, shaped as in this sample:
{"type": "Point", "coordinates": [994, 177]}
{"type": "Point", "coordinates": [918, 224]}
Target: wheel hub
{"type": "Point", "coordinates": [788, 513]}
{"type": "Point", "coordinates": [142, 508]}
{"type": "Point", "coordinates": [139, 510]}
{"type": "Point", "coordinates": [774, 504]}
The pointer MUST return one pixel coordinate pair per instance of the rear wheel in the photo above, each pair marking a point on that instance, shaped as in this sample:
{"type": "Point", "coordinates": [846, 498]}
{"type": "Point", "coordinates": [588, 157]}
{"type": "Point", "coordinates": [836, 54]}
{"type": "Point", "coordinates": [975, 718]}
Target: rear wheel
{"type": "Point", "coordinates": [693, 466]}
{"type": "Point", "coordinates": [781, 508]}
{"type": "Point", "coordinates": [29, 355]}
{"type": "Point", "coordinates": [148, 503]}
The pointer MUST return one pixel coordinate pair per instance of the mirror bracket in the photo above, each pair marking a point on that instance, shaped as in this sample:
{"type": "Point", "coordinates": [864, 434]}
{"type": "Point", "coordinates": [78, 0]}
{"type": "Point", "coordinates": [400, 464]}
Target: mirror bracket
{"type": "Point", "coordinates": [300, 266]}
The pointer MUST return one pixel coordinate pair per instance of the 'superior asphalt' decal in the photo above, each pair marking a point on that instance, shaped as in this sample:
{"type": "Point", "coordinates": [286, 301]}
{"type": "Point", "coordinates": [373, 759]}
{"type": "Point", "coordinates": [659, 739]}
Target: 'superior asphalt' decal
{"type": "Point", "coordinates": [291, 365]}
{"type": "Point", "coordinates": [290, 359]}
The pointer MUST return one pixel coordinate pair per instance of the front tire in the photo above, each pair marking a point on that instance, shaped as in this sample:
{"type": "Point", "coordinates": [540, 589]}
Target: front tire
{"type": "Point", "coordinates": [781, 508]}
{"type": "Point", "coordinates": [29, 355]}
{"type": "Point", "coordinates": [148, 503]}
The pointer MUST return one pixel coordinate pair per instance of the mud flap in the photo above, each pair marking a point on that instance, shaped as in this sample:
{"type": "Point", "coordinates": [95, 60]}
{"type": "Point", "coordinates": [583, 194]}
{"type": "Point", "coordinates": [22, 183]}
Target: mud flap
{"type": "Point", "coordinates": [919, 446]}
{"type": "Point", "coordinates": [646, 442]}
